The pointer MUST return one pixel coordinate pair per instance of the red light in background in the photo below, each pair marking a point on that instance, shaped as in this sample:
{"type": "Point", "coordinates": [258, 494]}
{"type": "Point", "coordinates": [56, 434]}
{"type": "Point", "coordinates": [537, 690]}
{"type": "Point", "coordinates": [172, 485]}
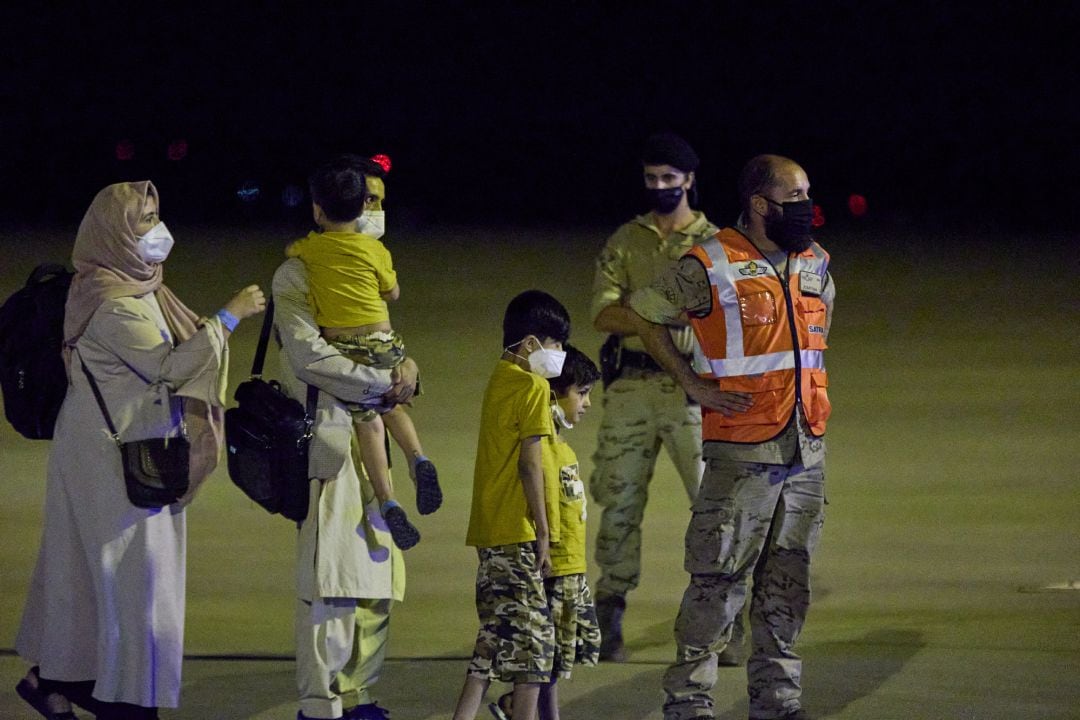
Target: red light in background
{"type": "Point", "coordinates": [177, 150]}
{"type": "Point", "coordinates": [819, 217]}
{"type": "Point", "coordinates": [382, 161]}
{"type": "Point", "coordinates": [125, 150]}
{"type": "Point", "coordinates": [856, 204]}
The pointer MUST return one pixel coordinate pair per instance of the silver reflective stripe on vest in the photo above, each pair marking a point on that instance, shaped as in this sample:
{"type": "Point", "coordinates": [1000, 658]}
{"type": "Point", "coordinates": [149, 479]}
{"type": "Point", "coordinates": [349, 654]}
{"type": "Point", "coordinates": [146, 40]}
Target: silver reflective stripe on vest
{"type": "Point", "coordinates": [725, 291]}
{"type": "Point", "coordinates": [757, 364]}
{"type": "Point", "coordinates": [722, 276]}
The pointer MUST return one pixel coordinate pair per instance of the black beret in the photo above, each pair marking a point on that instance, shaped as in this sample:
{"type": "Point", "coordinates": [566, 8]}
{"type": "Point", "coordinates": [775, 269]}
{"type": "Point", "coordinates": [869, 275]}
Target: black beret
{"type": "Point", "coordinates": [667, 148]}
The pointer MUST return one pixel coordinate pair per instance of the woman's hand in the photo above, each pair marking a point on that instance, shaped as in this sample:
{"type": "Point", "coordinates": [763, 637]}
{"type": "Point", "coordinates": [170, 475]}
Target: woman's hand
{"type": "Point", "coordinates": [246, 303]}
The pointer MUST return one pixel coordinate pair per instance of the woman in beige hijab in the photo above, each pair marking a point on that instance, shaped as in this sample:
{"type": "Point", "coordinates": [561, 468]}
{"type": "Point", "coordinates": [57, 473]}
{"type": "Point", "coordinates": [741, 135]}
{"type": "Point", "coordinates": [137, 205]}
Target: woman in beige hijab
{"type": "Point", "coordinates": [104, 619]}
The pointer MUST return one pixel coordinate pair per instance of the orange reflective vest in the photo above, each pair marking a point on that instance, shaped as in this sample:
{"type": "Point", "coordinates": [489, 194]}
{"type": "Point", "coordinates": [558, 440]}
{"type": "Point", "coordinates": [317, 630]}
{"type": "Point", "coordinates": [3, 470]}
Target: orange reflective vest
{"type": "Point", "coordinates": [760, 335]}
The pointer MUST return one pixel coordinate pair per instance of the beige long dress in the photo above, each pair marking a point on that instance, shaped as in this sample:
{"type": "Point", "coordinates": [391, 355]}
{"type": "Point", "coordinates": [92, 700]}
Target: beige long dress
{"type": "Point", "coordinates": [107, 596]}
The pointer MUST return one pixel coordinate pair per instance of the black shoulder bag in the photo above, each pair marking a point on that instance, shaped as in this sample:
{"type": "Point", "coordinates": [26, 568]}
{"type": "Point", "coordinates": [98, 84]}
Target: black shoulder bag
{"type": "Point", "coordinates": [155, 469]}
{"type": "Point", "coordinates": [267, 437]}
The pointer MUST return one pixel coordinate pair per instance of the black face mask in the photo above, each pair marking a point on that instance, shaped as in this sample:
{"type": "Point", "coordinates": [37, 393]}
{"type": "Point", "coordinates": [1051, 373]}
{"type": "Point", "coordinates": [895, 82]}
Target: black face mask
{"type": "Point", "coordinates": [664, 200]}
{"type": "Point", "coordinates": [790, 229]}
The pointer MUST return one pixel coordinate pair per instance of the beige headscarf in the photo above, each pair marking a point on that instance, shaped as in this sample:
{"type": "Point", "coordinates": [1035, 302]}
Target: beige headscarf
{"type": "Point", "coordinates": [108, 266]}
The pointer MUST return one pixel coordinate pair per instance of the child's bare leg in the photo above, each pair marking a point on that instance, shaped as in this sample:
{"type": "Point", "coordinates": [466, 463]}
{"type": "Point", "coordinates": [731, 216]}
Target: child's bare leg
{"type": "Point", "coordinates": [401, 428]}
{"type": "Point", "coordinates": [525, 697]}
{"type": "Point", "coordinates": [472, 694]}
{"type": "Point", "coordinates": [421, 470]}
{"type": "Point", "coordinates": [548, 703]}
{"type": "Point", "coordinates": [371, 436]}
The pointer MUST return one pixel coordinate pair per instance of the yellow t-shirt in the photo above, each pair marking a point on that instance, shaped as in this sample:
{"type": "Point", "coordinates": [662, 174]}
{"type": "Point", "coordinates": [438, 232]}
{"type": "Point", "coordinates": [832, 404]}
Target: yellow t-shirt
{"type": "Point", "coordinates": [568, 554]}
{"type": "Point", "coordinates": [516, 406]}
{"type": "Point", "coordinates": [347, 272]}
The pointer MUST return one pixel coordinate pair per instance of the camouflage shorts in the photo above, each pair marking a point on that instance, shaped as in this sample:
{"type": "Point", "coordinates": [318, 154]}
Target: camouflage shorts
{"type": "Point", "coordinates": [577, 632]}
{"type": "Point", "coordinates": [384, 350]}
{"type": "Point", "coordinates": [516, 641]}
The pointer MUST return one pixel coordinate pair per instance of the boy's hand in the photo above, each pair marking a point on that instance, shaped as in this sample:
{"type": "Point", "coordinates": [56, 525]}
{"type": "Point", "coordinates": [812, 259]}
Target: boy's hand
{"type": "Point", "coordinates": [543, 555]}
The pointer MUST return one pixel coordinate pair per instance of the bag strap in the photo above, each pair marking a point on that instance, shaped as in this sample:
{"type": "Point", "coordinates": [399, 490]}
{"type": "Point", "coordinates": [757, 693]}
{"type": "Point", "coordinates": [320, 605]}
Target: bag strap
{"type": "Point", "coordinates": [260, 359]}
{"type": "Point", "coordinates": [264, 340]}
{"type": "Point", "coordinates": [105, 411]}
{"type": "Point", "coordinates": [101, 403]}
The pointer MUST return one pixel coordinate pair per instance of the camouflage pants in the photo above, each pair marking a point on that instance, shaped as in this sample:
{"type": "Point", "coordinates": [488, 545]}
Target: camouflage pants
{"type": "Point", "coordinates": [516, 641]}
{"type": "Point", "coordinates": [748, 518]}
{"type": "Point", "coordinates": [642, 410]}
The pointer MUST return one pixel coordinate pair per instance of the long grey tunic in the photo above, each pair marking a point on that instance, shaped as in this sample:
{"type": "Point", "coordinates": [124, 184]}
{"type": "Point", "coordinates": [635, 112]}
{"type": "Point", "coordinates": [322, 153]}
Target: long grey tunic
{"type": "Point", "coordinates": [107, 596]}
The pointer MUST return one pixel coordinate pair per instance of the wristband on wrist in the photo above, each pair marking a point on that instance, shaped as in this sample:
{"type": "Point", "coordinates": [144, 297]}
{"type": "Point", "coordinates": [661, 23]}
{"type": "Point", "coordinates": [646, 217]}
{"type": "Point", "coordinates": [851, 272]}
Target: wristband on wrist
{"type": "Point", "coordinates": [227, 319]}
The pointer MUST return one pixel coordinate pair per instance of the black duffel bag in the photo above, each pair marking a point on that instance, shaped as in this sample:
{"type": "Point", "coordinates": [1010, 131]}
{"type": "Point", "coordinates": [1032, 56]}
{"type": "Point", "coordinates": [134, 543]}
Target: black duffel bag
{"type": "Point", "coordinates": [267, 437]}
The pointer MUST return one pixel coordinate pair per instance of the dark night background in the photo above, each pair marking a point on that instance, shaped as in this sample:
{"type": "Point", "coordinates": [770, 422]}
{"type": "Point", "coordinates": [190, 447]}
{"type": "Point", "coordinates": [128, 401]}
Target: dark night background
{"type": "Point", "coordinates": [957, 115]}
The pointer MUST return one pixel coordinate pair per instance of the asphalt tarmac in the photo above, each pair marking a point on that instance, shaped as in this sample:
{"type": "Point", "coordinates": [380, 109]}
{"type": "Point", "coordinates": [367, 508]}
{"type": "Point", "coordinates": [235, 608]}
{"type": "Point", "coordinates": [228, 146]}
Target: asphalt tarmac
{"type": "Point", "coordinates": [951, 533]}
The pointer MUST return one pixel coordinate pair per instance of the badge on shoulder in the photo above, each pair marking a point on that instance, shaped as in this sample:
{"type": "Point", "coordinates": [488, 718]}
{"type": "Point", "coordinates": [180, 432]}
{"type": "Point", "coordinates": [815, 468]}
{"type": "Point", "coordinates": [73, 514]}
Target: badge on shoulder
{"type": "Point", "coordinates": [810, 283]}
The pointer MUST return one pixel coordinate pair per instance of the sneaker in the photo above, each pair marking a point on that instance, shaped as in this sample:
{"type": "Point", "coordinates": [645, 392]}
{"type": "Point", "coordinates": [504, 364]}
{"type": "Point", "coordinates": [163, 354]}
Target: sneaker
{"type": "Point", "coordinates": [428, 492]}
{"type": "Point", "coordinates": [403, 532]}
{"type": "Point", "coordinates": [367, 711]}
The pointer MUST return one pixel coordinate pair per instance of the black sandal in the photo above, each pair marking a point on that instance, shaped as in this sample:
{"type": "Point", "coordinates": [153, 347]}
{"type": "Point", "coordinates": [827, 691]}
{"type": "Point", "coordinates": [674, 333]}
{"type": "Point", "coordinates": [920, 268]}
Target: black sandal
{"type": "Point", "coordinates": [501, 708]}
{"type": "Point", "coordinates": [40, 701]}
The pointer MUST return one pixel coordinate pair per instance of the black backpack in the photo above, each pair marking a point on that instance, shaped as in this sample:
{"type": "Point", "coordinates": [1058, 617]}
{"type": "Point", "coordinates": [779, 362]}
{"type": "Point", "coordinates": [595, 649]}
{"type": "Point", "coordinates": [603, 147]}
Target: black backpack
{"type": "Point", "coordinates": [32, 374]}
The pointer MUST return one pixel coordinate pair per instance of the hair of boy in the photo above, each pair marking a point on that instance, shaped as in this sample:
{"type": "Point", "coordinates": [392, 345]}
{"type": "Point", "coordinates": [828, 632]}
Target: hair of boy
{"type": "Point", "coordinates": [535, 313]}
{"type": "Point", "coordinates": [339, 187]}
{"type": "Point", "coordinates": [578, 369]}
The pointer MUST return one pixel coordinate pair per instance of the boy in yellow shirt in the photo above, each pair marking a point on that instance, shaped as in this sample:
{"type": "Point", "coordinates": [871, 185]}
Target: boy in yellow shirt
{"type": "Point", "coordinates": [510, 523]}
{"type": "Point", "coordinates": [573, 615]}
{"type": "Point", "coordinates": [351, 277]}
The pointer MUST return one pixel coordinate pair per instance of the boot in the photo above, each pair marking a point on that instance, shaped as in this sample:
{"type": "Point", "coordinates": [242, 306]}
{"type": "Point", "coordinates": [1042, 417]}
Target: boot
{"type": "Point", "coordinates": [609, 613]}
{"type": "Point", "coordinates": [733, 653]}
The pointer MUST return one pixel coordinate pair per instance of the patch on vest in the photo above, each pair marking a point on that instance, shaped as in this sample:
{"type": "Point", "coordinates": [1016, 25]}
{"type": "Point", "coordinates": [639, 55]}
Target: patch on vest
{"type": "Point", "coordinates": [752, 269]}
{"type": "Point", "coordinates": [816, 329]}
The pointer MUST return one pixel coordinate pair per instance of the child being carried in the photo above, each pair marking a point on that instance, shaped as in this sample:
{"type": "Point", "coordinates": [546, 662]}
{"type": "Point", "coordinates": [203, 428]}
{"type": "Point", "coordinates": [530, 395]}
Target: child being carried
{"type": "Point", "coordinates": [351, 277]}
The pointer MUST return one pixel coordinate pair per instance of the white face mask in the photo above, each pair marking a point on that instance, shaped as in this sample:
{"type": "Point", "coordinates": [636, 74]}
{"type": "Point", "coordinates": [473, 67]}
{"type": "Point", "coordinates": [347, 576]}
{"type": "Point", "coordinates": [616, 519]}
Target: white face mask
{"type": "Point", "coordinates": [560, 416]}
{"type": "Point", "coordinates": [154, 246]}
{"type": "Point", "coordinates": [372, 222]}
{"type": "Point", "coordinates": [547, 363]}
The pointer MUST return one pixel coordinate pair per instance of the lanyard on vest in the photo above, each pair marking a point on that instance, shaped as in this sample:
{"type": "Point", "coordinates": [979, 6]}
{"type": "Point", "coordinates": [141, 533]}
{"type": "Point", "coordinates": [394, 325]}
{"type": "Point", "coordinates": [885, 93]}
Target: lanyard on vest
{"type": "Point", "coordinates": [785, 287]}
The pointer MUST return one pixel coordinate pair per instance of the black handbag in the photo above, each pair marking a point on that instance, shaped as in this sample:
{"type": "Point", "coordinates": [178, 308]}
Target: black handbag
{"type": "Point", "coordinates": [155, 469]}
{"type": "Point", "coordinates": [267, 437]}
